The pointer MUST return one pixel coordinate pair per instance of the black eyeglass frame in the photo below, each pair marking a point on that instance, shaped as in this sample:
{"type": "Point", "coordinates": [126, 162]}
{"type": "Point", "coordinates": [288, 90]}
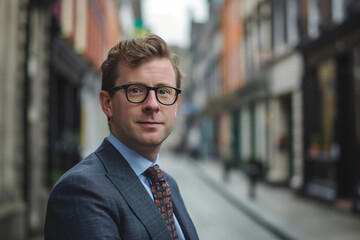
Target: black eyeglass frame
{"type": "Point", "coordinates": [148, 88]}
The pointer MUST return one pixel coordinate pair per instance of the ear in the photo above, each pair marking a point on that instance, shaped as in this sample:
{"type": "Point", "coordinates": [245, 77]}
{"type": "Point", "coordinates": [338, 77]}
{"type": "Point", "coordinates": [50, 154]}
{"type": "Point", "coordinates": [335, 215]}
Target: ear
{"type": "Point", "coordinates": [106, 103]}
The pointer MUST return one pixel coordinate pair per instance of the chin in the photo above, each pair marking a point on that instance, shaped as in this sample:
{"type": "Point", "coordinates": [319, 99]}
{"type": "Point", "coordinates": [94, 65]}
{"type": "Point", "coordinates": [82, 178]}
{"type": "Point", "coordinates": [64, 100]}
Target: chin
{"type": "Point", "coordinates": [152, 141]}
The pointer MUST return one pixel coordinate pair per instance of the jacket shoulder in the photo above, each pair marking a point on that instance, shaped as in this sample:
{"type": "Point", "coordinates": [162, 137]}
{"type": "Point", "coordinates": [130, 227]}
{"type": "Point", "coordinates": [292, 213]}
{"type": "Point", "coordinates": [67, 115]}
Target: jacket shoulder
{"type": "Point", "coordinates": [82, 197]}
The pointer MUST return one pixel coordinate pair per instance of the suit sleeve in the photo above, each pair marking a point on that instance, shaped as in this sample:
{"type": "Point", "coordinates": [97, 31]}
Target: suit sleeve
{"type": "Point", "coordinates": [79, 208]}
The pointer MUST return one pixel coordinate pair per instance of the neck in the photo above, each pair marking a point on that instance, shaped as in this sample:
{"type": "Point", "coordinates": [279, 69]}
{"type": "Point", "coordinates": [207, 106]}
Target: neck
{"type": "Point", "coordinates": [151, 156]}
{"type": "Point", "coordinates": [148, 151]}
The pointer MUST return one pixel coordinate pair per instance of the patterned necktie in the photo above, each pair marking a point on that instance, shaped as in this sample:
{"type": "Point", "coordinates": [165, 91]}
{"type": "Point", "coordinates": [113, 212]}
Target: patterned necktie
{"type": "Point", "coordinates": [162, 197]}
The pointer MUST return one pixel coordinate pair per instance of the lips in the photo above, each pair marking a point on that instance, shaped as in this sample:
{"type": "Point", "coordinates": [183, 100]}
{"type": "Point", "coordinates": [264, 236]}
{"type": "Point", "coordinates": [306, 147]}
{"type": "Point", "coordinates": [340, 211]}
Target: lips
{"type": "Point", "coordinates": [149, 124]}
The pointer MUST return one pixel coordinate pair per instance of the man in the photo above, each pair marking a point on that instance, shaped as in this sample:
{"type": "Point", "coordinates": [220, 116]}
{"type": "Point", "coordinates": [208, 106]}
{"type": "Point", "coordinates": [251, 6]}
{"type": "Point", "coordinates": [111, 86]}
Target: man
{"type": "Point", "coordinates": [118, 192]}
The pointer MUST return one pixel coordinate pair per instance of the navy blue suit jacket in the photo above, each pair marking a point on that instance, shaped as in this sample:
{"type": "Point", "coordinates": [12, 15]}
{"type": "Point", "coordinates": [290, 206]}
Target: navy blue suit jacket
{"type": "Point", "coordinates": [102, 198]}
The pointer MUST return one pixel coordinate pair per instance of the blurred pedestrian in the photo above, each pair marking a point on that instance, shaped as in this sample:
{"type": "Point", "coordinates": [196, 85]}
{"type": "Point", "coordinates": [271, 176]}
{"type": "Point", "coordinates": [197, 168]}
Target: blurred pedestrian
{"type": "Point", "coordinates": [119, 192]}
{"type": "Point", "coordinates": [254, 172]}
{"type": "Point", "coordinates": [194, 142]}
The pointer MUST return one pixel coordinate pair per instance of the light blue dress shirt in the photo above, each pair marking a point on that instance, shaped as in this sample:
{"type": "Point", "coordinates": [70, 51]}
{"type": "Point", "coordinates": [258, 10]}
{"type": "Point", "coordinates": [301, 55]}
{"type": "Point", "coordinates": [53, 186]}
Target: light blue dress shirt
{"type": "Point", "coordinates": [140, 164]}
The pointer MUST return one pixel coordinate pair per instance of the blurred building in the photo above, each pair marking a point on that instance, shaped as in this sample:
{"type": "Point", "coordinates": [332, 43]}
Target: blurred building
{"type": "Point", "coordinates": [203, 84]}
{"type": "Point", "coordinates": [50, 52]}
{"type": "Point", "coordinates": [25, 53]}
{"type": "Point", "coordinates": [276, 81]}
{"type": "Point", "coordinates": [331, 90]}
{"type": "Point", "coordinates": [275, 66]}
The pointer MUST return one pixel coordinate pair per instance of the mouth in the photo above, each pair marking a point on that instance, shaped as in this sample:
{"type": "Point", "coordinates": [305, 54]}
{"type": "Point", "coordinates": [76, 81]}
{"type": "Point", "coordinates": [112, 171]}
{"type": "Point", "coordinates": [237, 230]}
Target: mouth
{"type": "Point", "coordinates": [149, 124]}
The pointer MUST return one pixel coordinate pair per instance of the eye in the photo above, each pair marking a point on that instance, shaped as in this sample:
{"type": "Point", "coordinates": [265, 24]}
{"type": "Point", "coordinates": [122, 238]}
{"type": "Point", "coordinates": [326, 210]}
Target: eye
{"type": "Point", "coordinates": [164, 91]}
{"type": "Point", "coordinates": [136, 89]}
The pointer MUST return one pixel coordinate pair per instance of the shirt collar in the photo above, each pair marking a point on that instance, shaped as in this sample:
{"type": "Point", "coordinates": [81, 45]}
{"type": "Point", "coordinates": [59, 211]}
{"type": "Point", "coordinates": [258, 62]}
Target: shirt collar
{"type": "Point", "coordinates": [137, 162]}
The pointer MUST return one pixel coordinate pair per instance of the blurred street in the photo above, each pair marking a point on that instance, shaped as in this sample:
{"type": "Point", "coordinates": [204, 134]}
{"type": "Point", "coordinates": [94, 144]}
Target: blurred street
{"type": "Point", "coordinates": [271, 90]}
{"type": "Point", "coordinates": [222, 210]}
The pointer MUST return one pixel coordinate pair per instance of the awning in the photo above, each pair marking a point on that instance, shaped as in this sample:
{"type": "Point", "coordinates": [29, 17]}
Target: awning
{"type": "Point", "coordinates": [254, 90]}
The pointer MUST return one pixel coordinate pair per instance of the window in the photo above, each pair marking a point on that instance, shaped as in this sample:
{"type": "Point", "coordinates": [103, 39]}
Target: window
{"type": "Point", "coordinates": [265, 28]}
{"type": "Point", "coordinates": [292, 12]}
{"type": "Point", "coordinates": [338, 10]}
{"type": "Point", "coordinates": [321, 137]}
{"type": "Point", "coordinates": [314, 18]}
{"type": "Point", "coordinates": [278, 25]}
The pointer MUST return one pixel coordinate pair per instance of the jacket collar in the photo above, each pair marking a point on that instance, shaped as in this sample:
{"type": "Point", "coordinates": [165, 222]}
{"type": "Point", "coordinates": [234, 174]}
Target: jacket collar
{"type": "Point", "coordinates": [130, 187]}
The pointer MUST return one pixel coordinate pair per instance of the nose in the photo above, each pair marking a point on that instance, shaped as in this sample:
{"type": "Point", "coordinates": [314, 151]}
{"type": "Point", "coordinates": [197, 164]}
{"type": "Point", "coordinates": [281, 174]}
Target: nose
{"type": "Point", "coordinates": [151, 104]}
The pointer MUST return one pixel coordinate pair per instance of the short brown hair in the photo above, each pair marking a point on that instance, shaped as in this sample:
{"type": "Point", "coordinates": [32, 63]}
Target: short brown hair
{"type": "Point", "coordinates": [134, 52]}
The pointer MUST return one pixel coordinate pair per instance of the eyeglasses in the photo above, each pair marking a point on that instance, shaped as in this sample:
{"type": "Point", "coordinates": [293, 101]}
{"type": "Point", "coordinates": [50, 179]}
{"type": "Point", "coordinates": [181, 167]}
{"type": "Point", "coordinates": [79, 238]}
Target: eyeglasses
{"type": "Point", "coordinates": [137, 93]}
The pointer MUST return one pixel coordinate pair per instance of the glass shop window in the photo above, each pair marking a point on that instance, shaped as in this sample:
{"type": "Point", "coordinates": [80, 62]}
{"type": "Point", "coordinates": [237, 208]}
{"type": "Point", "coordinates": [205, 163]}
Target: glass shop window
{"type": "Point", "coordinates": [322, 142]}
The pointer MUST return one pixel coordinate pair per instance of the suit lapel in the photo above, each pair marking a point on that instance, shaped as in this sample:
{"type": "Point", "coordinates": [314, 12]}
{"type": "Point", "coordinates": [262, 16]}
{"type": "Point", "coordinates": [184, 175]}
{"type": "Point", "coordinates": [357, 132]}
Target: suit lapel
{"type": "Point", "coordinates": [180, 211]}
{"type": "Point", "coordinates": [130, 187]}
{"type": "Point", "coordinates": [180, 216]}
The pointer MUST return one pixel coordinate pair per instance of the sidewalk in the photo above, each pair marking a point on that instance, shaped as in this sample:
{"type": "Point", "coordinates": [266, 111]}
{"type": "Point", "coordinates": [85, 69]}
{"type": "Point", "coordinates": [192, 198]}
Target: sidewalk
{"type": "Point", "coordinates": [279, 210]}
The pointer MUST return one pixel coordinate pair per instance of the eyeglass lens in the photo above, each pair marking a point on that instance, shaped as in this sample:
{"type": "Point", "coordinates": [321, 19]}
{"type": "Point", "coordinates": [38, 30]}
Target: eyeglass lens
{"type": "Point", "coordinates": [138, 93]}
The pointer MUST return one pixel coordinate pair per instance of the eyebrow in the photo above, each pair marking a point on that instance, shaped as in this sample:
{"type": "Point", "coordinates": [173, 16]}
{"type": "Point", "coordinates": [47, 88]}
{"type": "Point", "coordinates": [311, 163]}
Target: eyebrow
{"type": "Point", "coordinates": [156, 85]}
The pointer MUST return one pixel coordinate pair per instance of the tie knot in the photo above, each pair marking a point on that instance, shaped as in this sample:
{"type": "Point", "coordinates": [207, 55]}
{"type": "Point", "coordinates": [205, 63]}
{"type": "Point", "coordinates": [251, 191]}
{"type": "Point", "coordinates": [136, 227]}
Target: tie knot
{"type": "Point", "coordinates": [154, 174]}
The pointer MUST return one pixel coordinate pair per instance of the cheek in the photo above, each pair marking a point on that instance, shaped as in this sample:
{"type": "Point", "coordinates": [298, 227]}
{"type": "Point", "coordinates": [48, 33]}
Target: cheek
{"type": "Point", "coordinates": [121, 114]}
{"type": "Point", "coordinates": [171, 116]}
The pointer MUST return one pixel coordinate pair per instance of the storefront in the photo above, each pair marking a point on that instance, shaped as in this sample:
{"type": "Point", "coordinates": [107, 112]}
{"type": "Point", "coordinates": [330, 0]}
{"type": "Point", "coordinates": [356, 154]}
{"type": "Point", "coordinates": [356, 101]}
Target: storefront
{"type": "Point", "coordinates": [331, 103]}
{"type": "Point", "coordinates": [235, 126]}
{"type": "Point", "coordinates": [66, 73]}
{"type": "Point", "coordinates": [285, 121]}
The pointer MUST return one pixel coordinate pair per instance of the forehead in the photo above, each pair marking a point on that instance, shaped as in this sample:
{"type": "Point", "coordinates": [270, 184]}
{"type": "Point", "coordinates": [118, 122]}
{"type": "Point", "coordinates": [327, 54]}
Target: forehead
{"type": "Point", "coordinates": [157, 71]}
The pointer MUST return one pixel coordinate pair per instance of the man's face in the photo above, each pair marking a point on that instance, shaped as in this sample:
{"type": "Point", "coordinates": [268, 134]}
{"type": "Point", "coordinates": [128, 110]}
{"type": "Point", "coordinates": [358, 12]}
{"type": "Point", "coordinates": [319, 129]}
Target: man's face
{"type": "Point", "coordinates": [143, 126]}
